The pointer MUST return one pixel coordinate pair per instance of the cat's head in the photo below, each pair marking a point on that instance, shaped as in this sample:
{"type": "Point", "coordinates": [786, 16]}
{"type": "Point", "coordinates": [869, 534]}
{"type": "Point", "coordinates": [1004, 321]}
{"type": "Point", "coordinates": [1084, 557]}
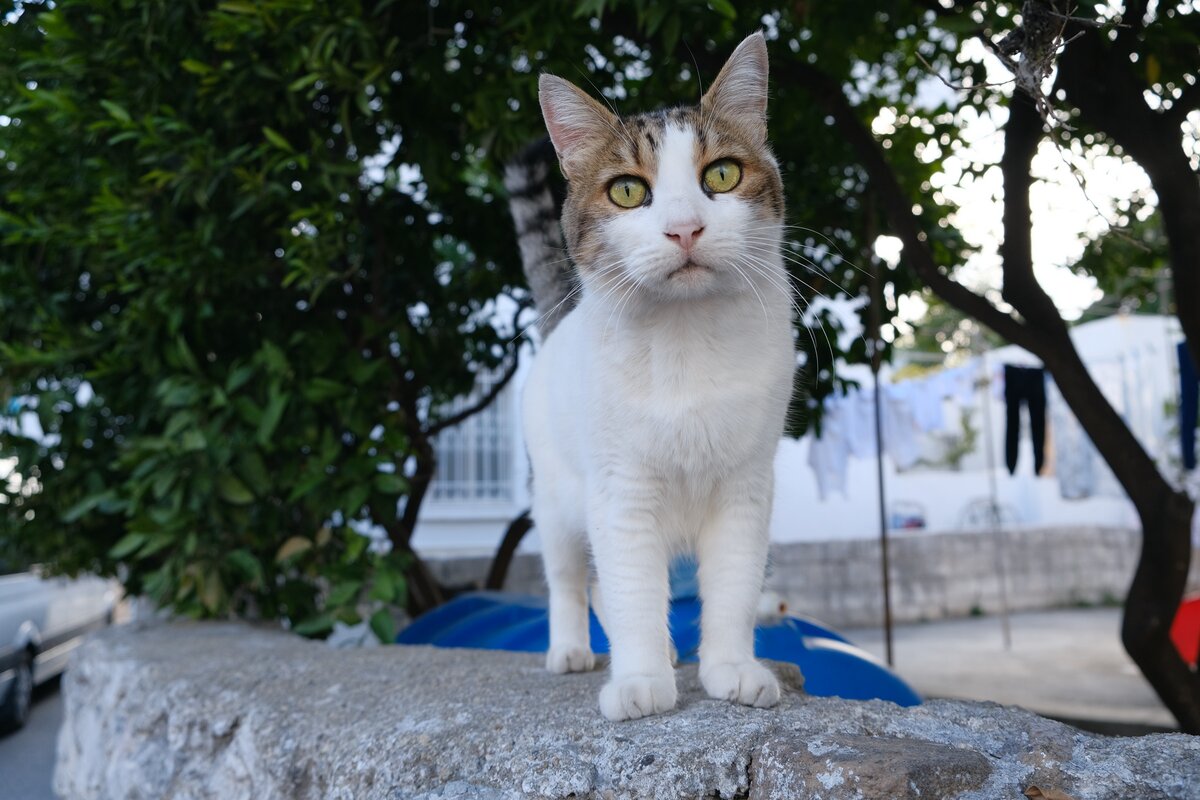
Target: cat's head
{"type": "Point", "coordinates": [678, 203]}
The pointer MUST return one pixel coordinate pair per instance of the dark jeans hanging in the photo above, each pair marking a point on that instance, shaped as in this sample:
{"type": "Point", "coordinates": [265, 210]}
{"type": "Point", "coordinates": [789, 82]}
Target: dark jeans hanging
{"type": "Point", "coordinates": [1189, 390]}
{"type": "Point", "coordinates": [1025, 385]}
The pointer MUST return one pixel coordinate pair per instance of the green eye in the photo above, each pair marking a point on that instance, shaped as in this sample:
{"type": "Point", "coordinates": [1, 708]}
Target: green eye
{"type": "Point", "coordinates": [723, 175]}
{"type": "Point", "coordinates": [628, 191]}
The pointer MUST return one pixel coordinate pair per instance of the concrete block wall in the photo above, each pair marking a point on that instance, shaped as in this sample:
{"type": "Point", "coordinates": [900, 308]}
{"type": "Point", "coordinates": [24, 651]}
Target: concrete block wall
{"type": "Point", "coordinates": [934, 576]}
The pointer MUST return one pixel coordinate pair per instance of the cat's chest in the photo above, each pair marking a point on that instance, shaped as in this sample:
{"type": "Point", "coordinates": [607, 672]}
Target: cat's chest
{"type": "Point", "coordinates": [694, 402]}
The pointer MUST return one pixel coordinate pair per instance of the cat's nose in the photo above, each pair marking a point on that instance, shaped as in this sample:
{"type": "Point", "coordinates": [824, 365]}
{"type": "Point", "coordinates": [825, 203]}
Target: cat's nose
{"type": "Point", "coordinates": [685, 234]}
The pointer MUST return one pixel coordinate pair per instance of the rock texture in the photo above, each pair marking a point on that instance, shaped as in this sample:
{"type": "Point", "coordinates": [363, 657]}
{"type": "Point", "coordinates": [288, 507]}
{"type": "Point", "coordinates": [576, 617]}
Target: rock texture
{"type": "Point", "coordinates": [227, 711]}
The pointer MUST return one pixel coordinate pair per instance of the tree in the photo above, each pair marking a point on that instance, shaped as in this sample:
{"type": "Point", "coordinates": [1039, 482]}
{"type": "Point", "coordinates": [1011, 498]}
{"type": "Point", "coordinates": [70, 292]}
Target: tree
{"type": "Point", "coordinates": [1097, 76]}
{"type": "Point", "coordinates": [232, 300]}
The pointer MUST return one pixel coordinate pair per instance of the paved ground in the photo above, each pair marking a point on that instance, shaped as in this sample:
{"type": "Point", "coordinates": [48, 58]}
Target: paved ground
{"type": "Point", "coordinates": [1067, 664]}
{"type": "Point", "coordinates": [27, 756]}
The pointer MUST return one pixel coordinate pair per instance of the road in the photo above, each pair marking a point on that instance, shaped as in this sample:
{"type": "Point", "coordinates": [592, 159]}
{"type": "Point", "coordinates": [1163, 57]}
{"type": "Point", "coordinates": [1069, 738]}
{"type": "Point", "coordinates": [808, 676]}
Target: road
{"type": "Point", "coordinates": [27, 756]}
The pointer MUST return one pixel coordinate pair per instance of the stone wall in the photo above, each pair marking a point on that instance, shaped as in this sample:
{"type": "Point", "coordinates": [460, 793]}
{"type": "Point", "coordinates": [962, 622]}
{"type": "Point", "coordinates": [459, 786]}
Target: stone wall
{"type": "Point", "coordinates": [228, 712]}
{"type": "Point", "coordinates": [933, 575]}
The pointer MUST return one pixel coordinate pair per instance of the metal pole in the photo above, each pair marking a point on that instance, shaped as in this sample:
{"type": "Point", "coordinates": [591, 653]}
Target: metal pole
{"type": "Point", "coordinates": [883, 522]}
{"type": "Point", "coordinates": [994, 503]}
{"type": "Point", "coordinates": [875, 323]}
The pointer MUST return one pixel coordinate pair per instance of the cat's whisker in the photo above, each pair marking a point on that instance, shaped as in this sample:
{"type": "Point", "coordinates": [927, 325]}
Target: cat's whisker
{"type": "Point", "coordinates": [575, 291]}
{"type": "Point", "coordinates": [833, 249]}
{"type": "Point", "coordinates": [780, 286]}
{"type": "Point", "coordinates": [766, 251]}
{"type": "Point", "coordinates": [753, 288]}
{"type": "Point", "coordinates": [802, 313]}
{"type": "Point", "coordinates": [630, 289]}
{"type": "Point", "coordinates": [799, 261]}
{"type": "Point", "coordinates": [860, 337]}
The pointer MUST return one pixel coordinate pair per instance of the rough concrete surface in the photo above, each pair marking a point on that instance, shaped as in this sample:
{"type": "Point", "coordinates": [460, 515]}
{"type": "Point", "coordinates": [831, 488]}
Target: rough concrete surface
{"type": "Point", "coordinates": [227, 711]}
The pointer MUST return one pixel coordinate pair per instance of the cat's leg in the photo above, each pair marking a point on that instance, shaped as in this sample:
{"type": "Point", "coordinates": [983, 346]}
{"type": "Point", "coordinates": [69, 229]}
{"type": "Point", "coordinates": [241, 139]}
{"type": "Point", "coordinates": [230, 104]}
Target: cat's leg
{"type": "Point", "coordinates": [631, 562]}
{"type": "Point", "coordinates": [565, 558]}
{"type": "Point", "coordinates": [598, 606]}
{"type": "Point", "coordinates": [732, 549]}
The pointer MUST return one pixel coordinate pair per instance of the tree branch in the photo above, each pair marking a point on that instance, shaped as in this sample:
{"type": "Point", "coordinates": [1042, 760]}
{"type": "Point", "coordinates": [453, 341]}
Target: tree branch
{"type": "Point", "coordinates": [433, 429]}
{"type": "Point", "coordinates": [507, 549]}
{"type": "Point", "coordinates": [1022, 134]}
{"type": "Point", "coordinates": [897, 205]}
{"type": "Point", "coordinates": [1109, 98]}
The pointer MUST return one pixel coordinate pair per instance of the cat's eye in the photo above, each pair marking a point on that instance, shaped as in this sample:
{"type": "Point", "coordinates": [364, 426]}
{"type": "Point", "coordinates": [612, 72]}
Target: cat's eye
{"type": "Point", "coordinates": [628, 191]}
{"type": "Point", "coordinates": [722, 175]}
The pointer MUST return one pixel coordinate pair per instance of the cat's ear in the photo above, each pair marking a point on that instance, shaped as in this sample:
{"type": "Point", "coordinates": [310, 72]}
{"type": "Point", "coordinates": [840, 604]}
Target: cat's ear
{"type": "Point", "coordinates": [740, 91]}
{"type": "Point", "coordinates": [572, 118]}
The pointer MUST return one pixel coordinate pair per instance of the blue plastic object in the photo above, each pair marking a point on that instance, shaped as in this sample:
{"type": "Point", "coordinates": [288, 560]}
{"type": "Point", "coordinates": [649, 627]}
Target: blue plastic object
{"type": "Point", "coordinates": [832, 666]}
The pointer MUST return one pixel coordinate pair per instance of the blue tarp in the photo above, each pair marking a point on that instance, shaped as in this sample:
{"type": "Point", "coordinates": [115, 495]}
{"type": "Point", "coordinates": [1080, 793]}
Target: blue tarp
{"type": "Point", "coordinates": [832, 666]}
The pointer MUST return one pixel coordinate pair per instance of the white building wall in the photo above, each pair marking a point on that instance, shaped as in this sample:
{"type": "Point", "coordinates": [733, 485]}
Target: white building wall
{"type": "Point", "coordinates": [1132, 357]}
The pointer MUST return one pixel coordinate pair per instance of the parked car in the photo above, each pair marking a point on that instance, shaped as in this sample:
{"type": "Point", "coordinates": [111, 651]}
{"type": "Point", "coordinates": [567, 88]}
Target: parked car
{"type": "Point", "coordinates": [41, 621]}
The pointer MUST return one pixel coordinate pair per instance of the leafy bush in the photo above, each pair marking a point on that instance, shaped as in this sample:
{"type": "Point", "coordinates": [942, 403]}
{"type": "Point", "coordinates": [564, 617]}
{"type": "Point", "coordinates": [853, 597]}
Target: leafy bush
{"type": "Point", "coordinates": [227, 309]}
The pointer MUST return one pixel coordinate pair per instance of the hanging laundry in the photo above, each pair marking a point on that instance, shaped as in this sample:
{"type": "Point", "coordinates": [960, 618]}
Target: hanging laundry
{"type": "Point", "coordinates": [961, 384]}
{"type": "Point", "coordinates": [858, 423]}
{"type": "Point", "coordinates": [1189, 398]}
{"type": "Point", "coordinates": [1025, 386]}
{"type": "Point", "coordinates": [924, 397]}
{"type": "Point", "coordinates": [899, 430]}
{"type": "Point", "coordinates": [1080, 470]}
{"type": "Point", "coordinates": [1074, 456]}
{"type": "Point", "coordinates": [828, 455]}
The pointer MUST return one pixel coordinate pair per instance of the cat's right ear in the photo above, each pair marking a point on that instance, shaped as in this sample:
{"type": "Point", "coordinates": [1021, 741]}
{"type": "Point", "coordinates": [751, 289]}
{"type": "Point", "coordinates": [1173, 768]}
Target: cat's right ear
{"type": "Point", "coordinates": [572, 118]}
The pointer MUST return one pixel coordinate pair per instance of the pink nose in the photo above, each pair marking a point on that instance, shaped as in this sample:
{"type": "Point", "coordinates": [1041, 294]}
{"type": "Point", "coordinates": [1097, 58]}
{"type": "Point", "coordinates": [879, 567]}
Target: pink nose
{"type": "Point", "coordinates": [685, 234]}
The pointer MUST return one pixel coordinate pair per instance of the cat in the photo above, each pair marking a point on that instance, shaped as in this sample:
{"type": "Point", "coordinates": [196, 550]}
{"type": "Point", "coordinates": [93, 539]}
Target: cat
{"type": "Point", "coordinates": [654, 406]}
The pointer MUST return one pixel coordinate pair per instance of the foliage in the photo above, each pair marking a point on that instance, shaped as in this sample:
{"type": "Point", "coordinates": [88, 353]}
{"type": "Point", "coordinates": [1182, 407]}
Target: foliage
{"type": "Point", "coordinates": [223, 303]}
{"type": "Point", "coordinates": [251, 249]}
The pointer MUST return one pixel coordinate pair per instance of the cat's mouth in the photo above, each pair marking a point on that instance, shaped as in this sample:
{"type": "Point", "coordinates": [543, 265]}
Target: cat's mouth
{"type": "Point", "coordinates": [689, 269]}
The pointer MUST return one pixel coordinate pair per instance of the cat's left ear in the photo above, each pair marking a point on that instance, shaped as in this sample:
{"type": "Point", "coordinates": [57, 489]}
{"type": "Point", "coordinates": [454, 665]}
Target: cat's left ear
{"type": "Point", "coordinates": [740, 91]}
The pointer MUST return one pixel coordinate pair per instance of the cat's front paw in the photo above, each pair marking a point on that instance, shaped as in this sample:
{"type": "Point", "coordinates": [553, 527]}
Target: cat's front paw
{"type": "Point", "coordinates": [570, 658]}
{"type": "Point", "coordinates": [745, 682]}
{"type": "Point", "coordinates": [636, 696]}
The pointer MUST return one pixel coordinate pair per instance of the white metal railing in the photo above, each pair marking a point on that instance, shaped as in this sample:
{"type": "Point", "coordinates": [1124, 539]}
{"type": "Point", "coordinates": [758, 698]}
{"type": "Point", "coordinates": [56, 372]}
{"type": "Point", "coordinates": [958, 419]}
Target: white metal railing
{"type": "Point", "coordinates": [475, 457]}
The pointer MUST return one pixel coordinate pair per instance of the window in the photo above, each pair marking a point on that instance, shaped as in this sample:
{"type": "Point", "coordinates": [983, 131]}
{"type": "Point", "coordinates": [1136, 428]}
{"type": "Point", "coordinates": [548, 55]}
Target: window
{"type": "Point", "coordinates": [475, 458]}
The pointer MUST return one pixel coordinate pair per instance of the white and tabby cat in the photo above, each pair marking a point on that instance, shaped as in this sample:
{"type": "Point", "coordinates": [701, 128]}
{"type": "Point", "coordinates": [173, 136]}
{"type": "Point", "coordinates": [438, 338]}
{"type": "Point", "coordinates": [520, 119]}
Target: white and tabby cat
{"type": "Point", "coordinates": [653, 410]}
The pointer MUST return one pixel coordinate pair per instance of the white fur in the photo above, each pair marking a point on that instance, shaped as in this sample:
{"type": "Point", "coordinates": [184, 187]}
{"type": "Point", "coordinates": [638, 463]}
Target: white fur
{"type": "Point", "coordinates": [652, 416]}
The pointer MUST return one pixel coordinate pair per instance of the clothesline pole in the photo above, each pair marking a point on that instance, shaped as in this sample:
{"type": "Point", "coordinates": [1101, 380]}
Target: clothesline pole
{"type": "Point", "coordinates": [994, 503]}
{"type": "Point", "coordinates": [883, 522]}
{"type": "Point", "coordinates": [875, 321]}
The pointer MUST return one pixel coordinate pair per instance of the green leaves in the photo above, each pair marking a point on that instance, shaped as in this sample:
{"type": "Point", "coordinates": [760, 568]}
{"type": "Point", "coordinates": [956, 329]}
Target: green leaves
{"type": "Point", "coordinates": [129, 544]}
{"type": "Point", "coordinates": [116, 111]}
{"type": "Point", "coordinates": [273, 227]}
{"type": "Point", "coordinates": [383, 626]}
{"type": "Point", "coordinates": [724, 8]}
{"type": "Point", "coordinates": [232, 490]}
{"type": "Point", "coordinates": [276, 138]}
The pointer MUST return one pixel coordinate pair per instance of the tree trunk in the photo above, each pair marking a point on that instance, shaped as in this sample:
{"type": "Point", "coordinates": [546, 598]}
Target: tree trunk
{"type": "Point", "coordinates": [508, 548]}
{"type": "Point", "coordinates": [1165, 514]}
